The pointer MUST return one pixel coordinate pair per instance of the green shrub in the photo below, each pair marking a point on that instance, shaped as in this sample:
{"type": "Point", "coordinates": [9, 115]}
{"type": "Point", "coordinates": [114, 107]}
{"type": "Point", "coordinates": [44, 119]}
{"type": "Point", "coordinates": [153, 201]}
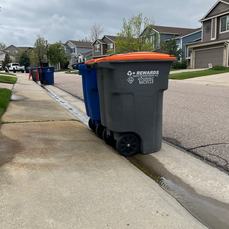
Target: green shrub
{"type": "Point", "coordinates": [180, 65]}
{"type": "Point", "coordinates": [219, 68]}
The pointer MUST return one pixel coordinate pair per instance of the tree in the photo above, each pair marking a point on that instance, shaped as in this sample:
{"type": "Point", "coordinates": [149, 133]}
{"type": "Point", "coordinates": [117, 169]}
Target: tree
{"type": "Point", "coordinates": [40, 50]}
{"type": "Point", "coordinates": [29, 52]}
{"type": "Point", "coordinates": [2, 46]}
{"type": "Point", "coordinates": [96, 31]}
{"type": "Point", "coordinates": [6, 61]}
{"type": "Point", "coordinates": [172, 48]}
{"type": "Point", "coordinates": [56, 54]}
{"type": "Point", "coordinates": [24, 60]}
{"type": "Point", "coordinates": [86, 40]}
{"type": "Point", "coordinates": [135, 35]}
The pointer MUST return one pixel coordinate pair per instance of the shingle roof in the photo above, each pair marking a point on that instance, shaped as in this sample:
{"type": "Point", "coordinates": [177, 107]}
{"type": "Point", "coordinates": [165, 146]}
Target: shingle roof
{"type": "Point", "coordinates": [87, 54]}
{"type": "Point", "coordinates": [81, 43]}
{"type": "Point", "coordinates": [205, 17]}
{"type": "Point", "coordinates": [113, 38]}
{"type": "Point", "coordinates": [175, 30]}
{"type": "Point", "coordinates": [25, 48]}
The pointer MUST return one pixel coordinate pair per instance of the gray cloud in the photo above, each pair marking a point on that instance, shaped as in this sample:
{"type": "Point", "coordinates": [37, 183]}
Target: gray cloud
{"type": "Point", "coordinates": [56, 20]}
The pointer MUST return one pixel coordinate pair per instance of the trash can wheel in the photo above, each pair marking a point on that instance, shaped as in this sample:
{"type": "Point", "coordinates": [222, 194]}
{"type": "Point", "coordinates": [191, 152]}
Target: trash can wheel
{"type": "Point", "coordinates": [108, 139]}
{"type": "Point", "coordinates": [127, 144]}
{"type": "Point", "coordinates": [99, 130]}
{"type": "Point", "coordinates": [93, 127]}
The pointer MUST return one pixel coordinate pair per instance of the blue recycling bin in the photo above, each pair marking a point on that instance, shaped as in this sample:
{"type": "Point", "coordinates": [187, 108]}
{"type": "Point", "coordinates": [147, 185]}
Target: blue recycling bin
{"type": "Point", "coordinates": [91, 95]}
{"type": "Point", "coordinates": [48, 75]}
{"type": "Point", "coordinates": [26, 70]}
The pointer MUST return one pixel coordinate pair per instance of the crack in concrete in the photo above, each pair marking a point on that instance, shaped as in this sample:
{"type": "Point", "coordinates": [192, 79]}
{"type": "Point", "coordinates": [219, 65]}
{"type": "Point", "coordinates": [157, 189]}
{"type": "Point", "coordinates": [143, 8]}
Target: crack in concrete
{"type": "Point", "coordinates": [214, 144]}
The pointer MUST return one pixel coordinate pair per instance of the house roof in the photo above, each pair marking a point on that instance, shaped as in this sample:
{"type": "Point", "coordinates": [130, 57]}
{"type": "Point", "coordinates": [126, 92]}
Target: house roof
{"type": "Point", "coordinates": [82, 44]}
{"type": "Point", "coordinates": [174, 30]}
{"type": "Point", "coordinates": [206, 16]}
{"type": "Point", "coordinates": [87, 54]}
{"type": "Point", "coordinates": [112, 38]}
{"type": "Point", "coordinates": [25, 48]}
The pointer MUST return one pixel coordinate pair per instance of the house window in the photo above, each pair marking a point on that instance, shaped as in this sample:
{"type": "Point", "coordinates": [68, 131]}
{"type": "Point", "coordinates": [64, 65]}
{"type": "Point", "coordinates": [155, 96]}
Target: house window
{"type": "Point", "coordinates": [224, 24]}
{"type": "Point", "coordinates": [110, 46]}
{"type": "Point", "coordinates": [1, 57]}
{"type": "Point", "coordinates": [97, 48]}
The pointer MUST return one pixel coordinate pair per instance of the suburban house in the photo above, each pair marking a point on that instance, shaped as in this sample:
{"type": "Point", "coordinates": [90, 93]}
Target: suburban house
{"type": "Point", "coordinates": [100, 46]}
{"type": "Point", "coordinates": [74, 48]}
{"type": "Point", "coordinates": [181, 35]}
{"type": "Point", "coordinates": [12, 51]}
{"type": "Point", "coordinates": [3, 54]}
{"type": "Point", "coordinates": [213, 49]}
{"type": "Point", "coordinates": [82, 57]}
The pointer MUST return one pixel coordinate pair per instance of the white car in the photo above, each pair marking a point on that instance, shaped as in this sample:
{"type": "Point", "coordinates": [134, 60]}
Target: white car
{"type": "Point", "coordinates": [14, 67]}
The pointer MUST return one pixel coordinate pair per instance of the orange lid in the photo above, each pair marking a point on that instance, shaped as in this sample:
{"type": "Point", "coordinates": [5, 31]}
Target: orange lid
{"type": "Point", "coordinates": [90, 61]}
{"type": "Point", "coordinates": [136, 56]}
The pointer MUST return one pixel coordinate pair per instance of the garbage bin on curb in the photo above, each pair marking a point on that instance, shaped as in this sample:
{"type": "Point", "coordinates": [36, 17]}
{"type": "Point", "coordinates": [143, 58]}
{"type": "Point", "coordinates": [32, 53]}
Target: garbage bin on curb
{"type": "Point", "coordinates": [33, 72]}
{"type": "Point", "coordinates": [48, 75]}
{"type": "Point", "coordinates": [91, 95]}
{"type": "Point", "coordinates": [131, 90]}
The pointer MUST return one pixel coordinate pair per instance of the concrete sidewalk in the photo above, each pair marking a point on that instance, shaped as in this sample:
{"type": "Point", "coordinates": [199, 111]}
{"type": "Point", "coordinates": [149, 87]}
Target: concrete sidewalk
{"type": "Point", "coordinates": [55, 173]}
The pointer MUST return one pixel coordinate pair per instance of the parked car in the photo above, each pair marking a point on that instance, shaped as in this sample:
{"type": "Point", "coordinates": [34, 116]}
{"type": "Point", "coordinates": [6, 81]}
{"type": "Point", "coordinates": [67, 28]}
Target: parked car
{"type": "Point", "coordinates": [14, 67]}
{"type": "Point", "coordinates": [0, 67]}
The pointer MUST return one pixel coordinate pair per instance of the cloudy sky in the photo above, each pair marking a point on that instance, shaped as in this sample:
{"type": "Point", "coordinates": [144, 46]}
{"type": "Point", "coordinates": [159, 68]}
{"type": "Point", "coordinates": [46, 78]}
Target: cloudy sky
{"type": "Point", "coordinates": [62, 20]}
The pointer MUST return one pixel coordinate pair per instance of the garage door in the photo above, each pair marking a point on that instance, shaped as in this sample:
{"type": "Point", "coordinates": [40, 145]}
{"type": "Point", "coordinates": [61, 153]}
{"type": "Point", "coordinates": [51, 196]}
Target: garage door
{"type": "Point", "coordinates": [204, 57]}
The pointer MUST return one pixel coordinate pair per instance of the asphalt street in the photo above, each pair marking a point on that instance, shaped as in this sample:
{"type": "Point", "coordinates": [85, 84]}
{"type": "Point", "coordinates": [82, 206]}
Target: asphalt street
{"type": "Point", "coordinates": [195, 116]}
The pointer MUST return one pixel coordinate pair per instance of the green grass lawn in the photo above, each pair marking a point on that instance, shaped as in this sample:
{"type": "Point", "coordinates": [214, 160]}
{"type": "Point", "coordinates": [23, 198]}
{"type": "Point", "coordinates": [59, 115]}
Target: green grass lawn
{"type": "Point", "coordinates": [5, 95]}
{"type": "Point", "coordinates": [72, 71]}
{"type": "Point", "coordinates": [186, 75]}
{"type": "Point", "coordinates": [7, 79]}
{"type": "Point", "coordinates": [6, 73]}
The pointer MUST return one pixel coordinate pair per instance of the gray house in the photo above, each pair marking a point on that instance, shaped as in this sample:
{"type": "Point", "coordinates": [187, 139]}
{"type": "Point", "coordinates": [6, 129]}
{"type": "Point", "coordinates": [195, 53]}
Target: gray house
{"type": "Point", "coordinates": [100, 46]}
{"type": "Point", "coordinates": [74, 48]}
{"type": "Point", "coordinates": [213, 49]}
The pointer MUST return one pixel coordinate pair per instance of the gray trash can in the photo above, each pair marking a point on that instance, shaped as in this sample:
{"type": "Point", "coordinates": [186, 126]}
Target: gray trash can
{"type": "Point", "coordinates": [131, 98]}
{"type": "Point", "coordinates": [34, 74]}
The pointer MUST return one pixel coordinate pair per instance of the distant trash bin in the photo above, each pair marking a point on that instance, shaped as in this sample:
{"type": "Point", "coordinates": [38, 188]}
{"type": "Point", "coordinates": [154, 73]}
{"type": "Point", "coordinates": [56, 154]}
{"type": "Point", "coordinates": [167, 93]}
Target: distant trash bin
{"type": "Point", "coordinates": [91, 95]}
{"type": "Point", "coordinates": [74, 66]}
{"type": "Point", "coordinates": [26, 70]}
{"type": "Point", "coordinates": [48, 75]}
{"type": "Point", "coordinates": [131, 97]}
{"type": "Point", "coordinates": [33, 72]}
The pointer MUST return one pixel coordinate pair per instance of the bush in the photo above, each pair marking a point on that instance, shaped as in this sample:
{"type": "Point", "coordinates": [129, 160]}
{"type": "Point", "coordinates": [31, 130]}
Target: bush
{"type": "Point", "coordinates": [179, 65]}
{"type": "Point", "coordinates": [219, 68]}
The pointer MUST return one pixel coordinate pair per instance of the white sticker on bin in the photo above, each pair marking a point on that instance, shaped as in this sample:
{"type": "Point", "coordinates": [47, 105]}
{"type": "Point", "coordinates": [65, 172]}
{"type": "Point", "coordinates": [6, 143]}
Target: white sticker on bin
{"type": "Point", "coordinates": [144, 77]}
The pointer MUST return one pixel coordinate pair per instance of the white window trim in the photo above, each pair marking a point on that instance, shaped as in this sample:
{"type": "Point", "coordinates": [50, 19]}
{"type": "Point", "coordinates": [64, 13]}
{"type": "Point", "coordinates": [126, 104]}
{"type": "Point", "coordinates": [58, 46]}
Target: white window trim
{"type": "Point", "coordinates": [109, 46]}
{"type": "Point", "coordinates": [214, 38]}
{"type": "Point", "coordinates": [220, 26]}
{"type": "Point", "coordinates": [97, 48]}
